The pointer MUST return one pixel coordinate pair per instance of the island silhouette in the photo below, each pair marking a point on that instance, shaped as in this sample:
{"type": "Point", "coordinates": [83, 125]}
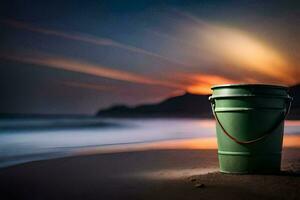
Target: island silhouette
{"type": "Point", "coordinates": [184, 106]}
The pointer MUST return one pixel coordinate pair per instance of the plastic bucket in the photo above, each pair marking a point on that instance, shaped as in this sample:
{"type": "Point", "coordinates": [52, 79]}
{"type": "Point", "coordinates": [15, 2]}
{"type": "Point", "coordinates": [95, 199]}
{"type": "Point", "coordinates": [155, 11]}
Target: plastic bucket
{"type": "Point", "coordinates": [250, 123]}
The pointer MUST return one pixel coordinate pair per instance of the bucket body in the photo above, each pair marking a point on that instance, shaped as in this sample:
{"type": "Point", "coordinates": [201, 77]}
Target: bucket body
{"type": "Point", "coordinates": [250, 123]}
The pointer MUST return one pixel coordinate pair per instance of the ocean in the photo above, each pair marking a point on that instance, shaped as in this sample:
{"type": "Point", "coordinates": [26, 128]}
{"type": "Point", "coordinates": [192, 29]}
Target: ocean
{"type": "Point", "coordinates": [25, 140]}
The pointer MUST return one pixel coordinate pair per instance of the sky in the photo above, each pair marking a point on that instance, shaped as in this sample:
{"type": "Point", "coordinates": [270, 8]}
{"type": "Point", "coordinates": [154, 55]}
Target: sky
{"type": "Point", "coordinates": [76, 57]}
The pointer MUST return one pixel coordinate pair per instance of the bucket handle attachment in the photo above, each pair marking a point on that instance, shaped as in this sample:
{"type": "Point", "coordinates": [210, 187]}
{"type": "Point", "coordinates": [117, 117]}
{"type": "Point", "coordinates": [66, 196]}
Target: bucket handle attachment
{"type": "Point", "coordinates": [267, 133]}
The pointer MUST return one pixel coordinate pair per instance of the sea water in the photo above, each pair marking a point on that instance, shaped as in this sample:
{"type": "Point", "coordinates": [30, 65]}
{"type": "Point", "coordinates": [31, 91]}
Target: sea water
{"type": "Point", "coordinates": [24, 140]}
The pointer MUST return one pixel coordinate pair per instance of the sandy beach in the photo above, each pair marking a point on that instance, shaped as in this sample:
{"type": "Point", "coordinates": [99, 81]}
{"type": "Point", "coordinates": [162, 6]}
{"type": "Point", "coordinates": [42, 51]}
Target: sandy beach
{"type": "Point", "coordinates": [150, 174]}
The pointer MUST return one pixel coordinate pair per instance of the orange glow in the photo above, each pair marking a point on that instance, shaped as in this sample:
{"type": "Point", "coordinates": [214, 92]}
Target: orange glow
{"type": "Point", "coordinates": [289, 141]}
{"type": "Point", "coordinates": [199, 89]}
{"type": "Point", "coordinates": [292, 122]}
{"type": "Point", "coordinates": [203, 83]}
{"type": "Point", "coordinates": [244, 51]}
{"type": "Point", "coordinates": [201, 143]}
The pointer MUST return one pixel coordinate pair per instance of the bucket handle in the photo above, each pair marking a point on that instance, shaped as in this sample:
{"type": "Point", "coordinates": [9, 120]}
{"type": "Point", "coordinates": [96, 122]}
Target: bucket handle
{"type": "Point", "coordinates": [289, 101]}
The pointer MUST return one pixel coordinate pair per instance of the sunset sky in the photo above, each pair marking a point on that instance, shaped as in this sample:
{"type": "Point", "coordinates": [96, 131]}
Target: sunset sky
{"type": "Point", "coordinates": [75, 57]}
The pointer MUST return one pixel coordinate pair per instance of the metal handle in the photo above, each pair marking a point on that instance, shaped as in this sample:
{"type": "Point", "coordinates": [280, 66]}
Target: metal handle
{"type": "Point", "coordinates": [212, 101]}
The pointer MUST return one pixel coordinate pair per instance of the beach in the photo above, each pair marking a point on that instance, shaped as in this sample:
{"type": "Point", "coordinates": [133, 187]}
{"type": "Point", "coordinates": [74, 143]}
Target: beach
{"type": "Point", "coordinates": [135, 159]}
{"type": "Point", "coordinates": [146, 174]}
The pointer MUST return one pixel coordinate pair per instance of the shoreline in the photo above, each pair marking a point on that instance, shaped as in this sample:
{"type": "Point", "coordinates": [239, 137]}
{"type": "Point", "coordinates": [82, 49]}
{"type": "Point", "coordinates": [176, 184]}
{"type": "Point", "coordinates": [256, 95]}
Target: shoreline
{"type": "Point", "coordinates": [206, 143]}
{"type": "Point", "coordinates": [147, 174]}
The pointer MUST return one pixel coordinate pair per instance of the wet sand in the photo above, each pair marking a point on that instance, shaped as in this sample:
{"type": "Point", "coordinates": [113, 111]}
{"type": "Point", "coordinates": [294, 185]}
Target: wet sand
{"type": "Point", "coordinates": [152, 174]}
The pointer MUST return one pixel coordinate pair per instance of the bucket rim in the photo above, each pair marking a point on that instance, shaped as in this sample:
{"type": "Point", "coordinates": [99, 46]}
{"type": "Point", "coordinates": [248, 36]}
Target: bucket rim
{"type": "Point", "coordinates": [280, 86]}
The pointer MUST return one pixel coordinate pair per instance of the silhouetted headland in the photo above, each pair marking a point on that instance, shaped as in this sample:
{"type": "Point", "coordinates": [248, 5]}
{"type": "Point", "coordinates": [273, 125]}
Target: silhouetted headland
{"type": "Point", "coordinates": [185, 106]}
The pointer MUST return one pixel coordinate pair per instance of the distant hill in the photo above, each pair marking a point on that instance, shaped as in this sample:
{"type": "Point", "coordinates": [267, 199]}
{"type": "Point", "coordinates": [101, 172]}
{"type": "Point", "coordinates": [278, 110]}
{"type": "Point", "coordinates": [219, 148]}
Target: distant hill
{"type": "Point", "coordinates": [187, 105]}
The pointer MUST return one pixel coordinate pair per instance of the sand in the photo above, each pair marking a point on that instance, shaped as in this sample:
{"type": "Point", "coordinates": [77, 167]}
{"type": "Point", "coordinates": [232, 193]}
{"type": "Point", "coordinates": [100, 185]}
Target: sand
{"type": "Point", "coordinates": [152, 174]}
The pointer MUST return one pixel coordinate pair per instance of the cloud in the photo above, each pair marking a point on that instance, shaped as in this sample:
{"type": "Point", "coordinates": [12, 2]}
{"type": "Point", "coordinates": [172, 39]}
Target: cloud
{"type": "Point", "coordinates": [88, 39]}
{"type": "Point", "coordinates": [244, 51]}
{"type": "Point", "coordinates": [204, 82]}
{"type": "Point", "coordinates": [194, 83]}
{"type": "Point", "coordinates": [201, 83]}
{"type": "Point", "coordinates": [221, 54]}
{"type": "Point", "coordinates": [224, 48]}
{"type": "Point", "coordinates": [45, 60]}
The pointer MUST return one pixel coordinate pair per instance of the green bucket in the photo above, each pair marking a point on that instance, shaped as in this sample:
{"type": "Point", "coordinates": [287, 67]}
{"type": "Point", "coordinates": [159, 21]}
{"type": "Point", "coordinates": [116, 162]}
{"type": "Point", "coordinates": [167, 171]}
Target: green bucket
{"type": "Point", "coordinates": [250, 122]}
